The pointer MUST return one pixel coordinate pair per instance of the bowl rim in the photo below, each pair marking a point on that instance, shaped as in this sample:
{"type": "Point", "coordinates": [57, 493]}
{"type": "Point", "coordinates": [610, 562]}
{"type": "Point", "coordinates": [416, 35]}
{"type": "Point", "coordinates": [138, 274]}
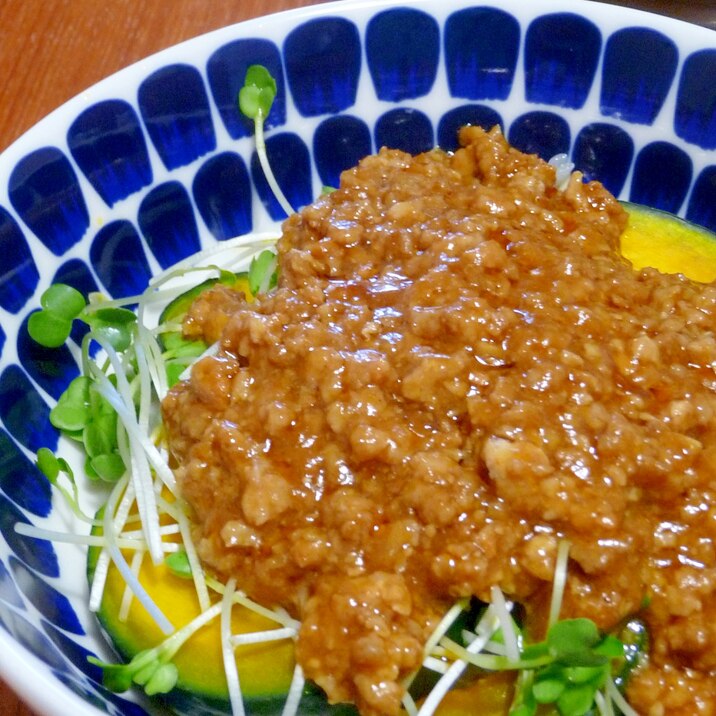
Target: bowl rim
{"type": "Point", "coordinates": [17, 664]}
{"type": "Point", "coordinates": [695, 35]}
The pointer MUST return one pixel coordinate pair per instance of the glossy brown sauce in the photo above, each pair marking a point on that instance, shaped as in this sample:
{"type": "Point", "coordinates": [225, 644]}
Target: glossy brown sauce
{"type": "Point", "coordinates": [457, 370]}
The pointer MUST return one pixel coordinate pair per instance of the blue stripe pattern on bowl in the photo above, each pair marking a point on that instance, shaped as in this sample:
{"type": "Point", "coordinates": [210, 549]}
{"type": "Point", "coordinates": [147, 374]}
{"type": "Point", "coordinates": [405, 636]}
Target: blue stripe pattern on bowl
{"type": "Point", "coordinates": [145, 178]}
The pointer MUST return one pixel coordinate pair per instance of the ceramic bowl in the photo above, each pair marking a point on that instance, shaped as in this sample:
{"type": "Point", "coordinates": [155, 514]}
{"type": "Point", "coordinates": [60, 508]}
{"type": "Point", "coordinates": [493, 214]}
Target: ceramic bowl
{"type": "Point", "coordinates": [156, 162]}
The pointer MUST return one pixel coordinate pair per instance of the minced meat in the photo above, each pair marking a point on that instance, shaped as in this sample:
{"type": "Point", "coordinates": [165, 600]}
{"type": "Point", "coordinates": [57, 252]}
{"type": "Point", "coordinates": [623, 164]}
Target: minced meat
{"type": "Point", "coordinates": [457, 370]}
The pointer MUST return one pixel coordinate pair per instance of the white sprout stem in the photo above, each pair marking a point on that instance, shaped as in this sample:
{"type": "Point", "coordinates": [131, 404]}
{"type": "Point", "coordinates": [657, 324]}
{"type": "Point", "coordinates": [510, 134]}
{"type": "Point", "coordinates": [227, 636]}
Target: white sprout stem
{"type": "Point", "coordinates": [125, 452]}
{"type": "Point", "coordinates": [523, 685]}
{"type": "Point", "coordinates": [149, 357]}
{"type": "Point", "coordinates": [295, 692]}
{"type": "Point", "coordinates": [145, 382]}
{"type": "Point", "coordinates": [618, 698]}
{"type": "Point", "coordinates": [124, 607]}
{"type": "Point", "coordinates": [512, 647]}
{"type": "Point", "coordinates": [150, 296]}
{"type": "Point", "coordinates": [495, 647]}
{"type": "Point", "coordinates": [268, 274]}
{"type": "Point", "coordinates": [85, 358]}
{"type": "Point", "coordinates": [484, 660]}
{"type": "Point", "coordinates": [175, 642]}
{"type": "Point", "coordinates": [278, 615]}
{"type": "Point", "coordinates": [141, 472]}
{"type": "Point", "coordinates": [437, 665]}
{"type": "Point", "coordinates": [197, 570]}
{"type": "Point", "coordinates": [166, 327]}
{"type": "Point", "coordinates": [409, 704]}
{"type": "Point", "coordinates": [108, 391]}
{"type": "Point", "coordinates": [436, 635]}
{"type": "Point", "coordinates": [114, 552]}
{"type": "Point", "coordinates": [132, 431]}
{"type": "Point", "coordinates": [212, 350]}
{"type": "Point", "coordinates": [563, 170]}
{"type": "Point", "coordinates": [101, 571]}
{"type": "Point", "coordinates": [241, 246]}
{"type": "Point", "coordinates": [286, 618]}
{"type": "Point", "coordinates": [604, 705]}
{"type": "Point", "coordinates": [486, 628]}
{"type": "Point", "coordinates": [72, 499]}
{"type": "Point", "coordinates": [452, 614]}
{"type": "Point", "coordinates": [188, 361]}
{"type": "Point", "coordinates": [164, 530]}
{"type": "Point", "coordinates": [259, 637]}
{"type": "Point", "coordinates": [251, 243]}
{"type": "Point", "coordinates": [123, 541]}
{"type": "Point", "coordinates": [99, 580]}
{"type": "Point", "coordinates": [141, 477]}
{"type": "Point", "coordinates": [121, 399]}
{"type": "Point", "coordinates": [266, 166]}
{"type": "Point", "coordinates": [232, 673]}
{"type": "Point", "coordinates": [559, 582]}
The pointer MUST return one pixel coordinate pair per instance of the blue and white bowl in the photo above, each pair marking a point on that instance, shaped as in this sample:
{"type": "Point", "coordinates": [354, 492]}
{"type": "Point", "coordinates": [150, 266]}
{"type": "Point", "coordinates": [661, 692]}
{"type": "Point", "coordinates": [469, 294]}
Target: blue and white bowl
{"type": "Point", "coordinates": [156, 162]}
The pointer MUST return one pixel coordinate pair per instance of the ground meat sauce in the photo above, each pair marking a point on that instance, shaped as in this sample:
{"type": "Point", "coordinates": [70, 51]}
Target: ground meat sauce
{"type": "Point", "coordinates": [456, 371]}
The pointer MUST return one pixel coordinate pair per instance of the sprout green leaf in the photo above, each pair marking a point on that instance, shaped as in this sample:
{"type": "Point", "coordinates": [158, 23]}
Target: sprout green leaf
{"type": "Point", "coordinates": [610, 647]}
{"type": "Point", "coordinates": [72, 411]}
{"type": "Point", "coordinates": [49, 329]}
{"type": "Point", "coordinates": [113, 316]}
{"type": "Point", "coordinates": [576, 701]}
{"type": "Point", "coordinates": [51, 326]}
{"type": "Point", "coordinates": [150, 669]}
{"type": "Point", "coordinates": [119, 336]}
{"type": "Point", "coordinates": [572, 636]}
{"type": "Point", "coordinates": [153, 669]}
{"type": "Point", "coordinates": [178, 564]}
{"type": "Point", "coordinates": [567, 668]}
{"type": "Point", "coordinates": [54, 468]}
{"type": "Point", "coordinates": [48, 464]}
{"type": "Point", "coordinates": [257, 95]}
{"type": "Point", "coordinates": [547, 691]}
{"type": "Point", "coordinates": [255, 100]}
{"type": "Point", "coordinates": [262, 272]}
{"type": "Point", "coordinates": [163, 680]}
{"type": "Point", "coordinates": [63, 300]}
{"type": "Point", "coordinates": [108, 466]}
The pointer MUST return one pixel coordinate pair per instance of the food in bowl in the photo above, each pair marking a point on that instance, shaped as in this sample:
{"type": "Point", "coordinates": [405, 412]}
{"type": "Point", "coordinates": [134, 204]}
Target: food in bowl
{"type": "Point", "coordinates": [457, 376]}
{"type": "Point", "coordinates": [457, 371]}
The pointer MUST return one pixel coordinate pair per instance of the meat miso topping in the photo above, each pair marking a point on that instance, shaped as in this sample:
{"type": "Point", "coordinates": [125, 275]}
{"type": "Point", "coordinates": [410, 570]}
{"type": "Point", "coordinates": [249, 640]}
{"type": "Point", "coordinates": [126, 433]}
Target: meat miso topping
{"type": "Point", "coordinates": [456, 371]}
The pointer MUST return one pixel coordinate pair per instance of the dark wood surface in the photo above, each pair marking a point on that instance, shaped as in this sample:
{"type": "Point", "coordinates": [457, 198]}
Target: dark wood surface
{"type": "Point", "coordinates": [51, 50]}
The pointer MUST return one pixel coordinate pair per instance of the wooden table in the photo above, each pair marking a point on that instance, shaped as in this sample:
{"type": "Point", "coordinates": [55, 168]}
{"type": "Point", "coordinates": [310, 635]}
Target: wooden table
{"type": "Point", "coordinates": [50, 50]}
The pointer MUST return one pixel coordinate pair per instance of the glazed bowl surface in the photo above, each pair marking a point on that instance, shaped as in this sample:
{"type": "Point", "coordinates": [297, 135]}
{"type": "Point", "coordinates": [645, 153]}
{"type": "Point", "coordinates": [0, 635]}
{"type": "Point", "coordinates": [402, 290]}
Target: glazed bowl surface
{"type": "Point", "coordinates": [156, 163]}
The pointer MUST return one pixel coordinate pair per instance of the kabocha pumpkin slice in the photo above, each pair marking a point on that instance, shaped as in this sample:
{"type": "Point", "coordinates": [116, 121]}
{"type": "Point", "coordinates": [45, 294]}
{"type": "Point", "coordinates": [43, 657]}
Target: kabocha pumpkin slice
{"type": "Point", "coordinates": [176, 309]}
{"type": "Point", "coordinates": [265, 669]}
{"type": "Point", "coordinates": [668, 243]}
{"type": "Point", "coordinates": [179, 349]}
